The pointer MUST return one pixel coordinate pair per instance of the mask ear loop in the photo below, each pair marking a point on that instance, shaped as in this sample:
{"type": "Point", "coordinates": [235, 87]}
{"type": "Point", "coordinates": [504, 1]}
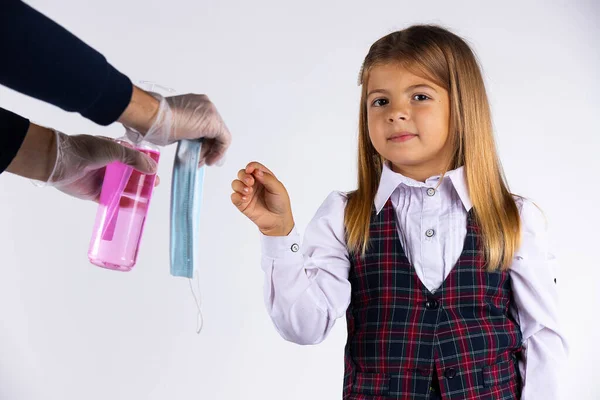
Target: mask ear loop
{"type": "Point", "coordinates": [200, 319]}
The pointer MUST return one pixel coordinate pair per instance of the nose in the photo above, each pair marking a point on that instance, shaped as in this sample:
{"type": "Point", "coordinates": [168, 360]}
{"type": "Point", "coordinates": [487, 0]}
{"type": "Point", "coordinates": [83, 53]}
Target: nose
{"type": "Point", "coordinates": [398, 113]}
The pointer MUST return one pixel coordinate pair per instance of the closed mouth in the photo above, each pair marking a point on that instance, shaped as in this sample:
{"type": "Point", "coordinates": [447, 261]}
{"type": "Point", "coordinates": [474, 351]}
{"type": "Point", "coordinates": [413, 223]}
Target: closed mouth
{"type": "Point", "coordinates": [402, 136]}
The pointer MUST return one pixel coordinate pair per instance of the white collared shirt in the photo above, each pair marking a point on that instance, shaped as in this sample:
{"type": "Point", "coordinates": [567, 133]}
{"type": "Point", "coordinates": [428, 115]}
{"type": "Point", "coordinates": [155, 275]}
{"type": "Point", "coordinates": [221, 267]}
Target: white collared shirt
{"type": "Point", "coordinates": [307, 289]}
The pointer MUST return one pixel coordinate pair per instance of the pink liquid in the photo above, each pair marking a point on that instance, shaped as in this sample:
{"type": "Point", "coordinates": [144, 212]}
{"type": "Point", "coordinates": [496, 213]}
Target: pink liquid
{"type": "Point", "coordinates": [121, 216]}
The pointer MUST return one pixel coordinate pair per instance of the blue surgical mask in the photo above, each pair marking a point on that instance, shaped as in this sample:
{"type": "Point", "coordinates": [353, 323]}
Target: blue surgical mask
{"type": "Point", "coordinates": [186, 199]}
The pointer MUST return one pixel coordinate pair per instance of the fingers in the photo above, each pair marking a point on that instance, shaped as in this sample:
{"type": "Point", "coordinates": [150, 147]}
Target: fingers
{"type": "Point", "coordinates": [138, 160]}
{"type": "Point", "coordinates": [243, 190]}
{"type": "Point", "coordinates": [213, 152]}
{"type": "Point", "coordinates": [96, 152]}
{"type": "Point", "coordinates": [270, 183]}
{"type": "Point", "coordinates": [109, 138]}
{"type": "Point", "coordinates": [264, 176]}
{"type": "Point", "coordinates": [216, 154]}
{"type": "Point", "coordinates": [255, 167]}
{"type": "Point", "coordinates": [239, 187]}
{"type": "Point", "coordinates": [248, 179]}
{"type": "Point", "coordinates": [238, 201]}
{"type": "Point", "coordinates": [242, 194]}
{"type": "Point", "coordinates": [196, 117]}
{"type": "Point", "coordinates": [204, 150]}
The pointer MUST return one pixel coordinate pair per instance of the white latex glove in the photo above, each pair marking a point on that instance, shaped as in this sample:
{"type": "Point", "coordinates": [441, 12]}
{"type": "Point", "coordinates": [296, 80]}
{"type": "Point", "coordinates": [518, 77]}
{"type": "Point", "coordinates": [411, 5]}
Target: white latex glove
{"type": "Point", "coordinates": [81, 161]}
{"type": "Point", "coordinates": [188, 116]}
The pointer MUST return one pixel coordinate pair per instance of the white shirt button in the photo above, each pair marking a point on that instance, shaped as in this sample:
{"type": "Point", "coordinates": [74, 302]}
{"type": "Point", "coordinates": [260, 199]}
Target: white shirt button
{"type": "Point", "coordinates": [295, 247]}
{"type": "Point", "coordinates": [430, 192]}
{"type": "Point", "coordinates": [429, 233]}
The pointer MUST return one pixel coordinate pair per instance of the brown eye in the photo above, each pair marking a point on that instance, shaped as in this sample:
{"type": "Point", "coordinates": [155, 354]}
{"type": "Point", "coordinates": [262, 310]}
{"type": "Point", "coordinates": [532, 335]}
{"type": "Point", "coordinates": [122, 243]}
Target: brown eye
{"type": "Point", "coordinates": [421, 97]}
{"type": "Point", "coordinates": [379, 102]}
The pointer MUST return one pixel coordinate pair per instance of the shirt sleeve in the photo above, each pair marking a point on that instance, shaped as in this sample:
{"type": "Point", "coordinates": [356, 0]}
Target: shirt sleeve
{"type": "Point", "coordinates": [13, 129]}
{"type": "Point", "coordinates": [43, 60]}
{"type": "Point", "coordinates": [533, 277]}
{"type": "Point", "coordinates": [306, 286]}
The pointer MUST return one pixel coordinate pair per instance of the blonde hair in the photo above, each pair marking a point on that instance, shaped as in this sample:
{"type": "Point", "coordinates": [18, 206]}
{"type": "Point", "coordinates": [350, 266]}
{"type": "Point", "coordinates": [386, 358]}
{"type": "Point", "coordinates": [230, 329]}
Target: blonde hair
{"type": "Point", "coordinates": [444, 58]}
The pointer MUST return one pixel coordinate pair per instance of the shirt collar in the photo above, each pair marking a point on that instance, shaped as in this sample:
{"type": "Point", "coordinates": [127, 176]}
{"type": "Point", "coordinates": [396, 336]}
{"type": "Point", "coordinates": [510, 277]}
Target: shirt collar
{"type": "Point", "coordinates": [391, 180]}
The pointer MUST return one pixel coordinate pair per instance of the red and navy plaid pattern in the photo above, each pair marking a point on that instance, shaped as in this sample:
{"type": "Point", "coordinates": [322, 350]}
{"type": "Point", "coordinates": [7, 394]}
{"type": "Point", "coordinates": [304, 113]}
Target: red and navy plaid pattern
{"type": "Point", "coordinates": [399, 332]}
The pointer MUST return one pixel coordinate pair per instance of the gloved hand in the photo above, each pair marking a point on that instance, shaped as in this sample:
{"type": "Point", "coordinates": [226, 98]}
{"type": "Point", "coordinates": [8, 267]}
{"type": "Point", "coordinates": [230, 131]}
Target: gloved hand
{"type": "Point", "coordinates": [81, 161]}
{"type": "Point", "coordinates": [188, 116]}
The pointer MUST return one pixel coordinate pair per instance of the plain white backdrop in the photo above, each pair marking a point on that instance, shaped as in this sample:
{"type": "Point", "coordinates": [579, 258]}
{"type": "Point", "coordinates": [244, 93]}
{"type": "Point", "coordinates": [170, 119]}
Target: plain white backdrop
{"type": "Point", "coordinates": [284, 77]}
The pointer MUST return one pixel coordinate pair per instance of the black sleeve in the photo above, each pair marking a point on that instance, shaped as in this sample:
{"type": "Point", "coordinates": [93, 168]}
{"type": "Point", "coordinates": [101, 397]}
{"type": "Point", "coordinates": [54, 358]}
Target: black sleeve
{"type": "Point", "coordinates": [41, 59]}
{"type": "Point", "coordinates": [13, 129]}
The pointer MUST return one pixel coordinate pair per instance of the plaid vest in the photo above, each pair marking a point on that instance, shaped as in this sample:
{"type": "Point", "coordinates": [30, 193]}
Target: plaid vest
{"type": "Point", "coordinates": [399, 333]}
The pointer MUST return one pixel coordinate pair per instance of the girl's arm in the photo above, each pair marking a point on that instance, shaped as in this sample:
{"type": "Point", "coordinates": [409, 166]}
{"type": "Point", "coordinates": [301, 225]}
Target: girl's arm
{"type": "Point", "coordinates": [533, 275]}
{"type": "Point", "coordinates": [306, 287]}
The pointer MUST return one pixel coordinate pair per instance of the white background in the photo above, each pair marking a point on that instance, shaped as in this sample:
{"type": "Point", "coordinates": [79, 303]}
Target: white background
{"type": "Point", "coordinates": [283, 75]}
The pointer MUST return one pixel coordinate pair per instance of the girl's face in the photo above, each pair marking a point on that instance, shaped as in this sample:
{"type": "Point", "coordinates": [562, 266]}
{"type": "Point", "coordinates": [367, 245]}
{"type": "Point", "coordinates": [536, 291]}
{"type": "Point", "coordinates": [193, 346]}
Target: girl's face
{"type": "Point", "coordinates": [408, 118]}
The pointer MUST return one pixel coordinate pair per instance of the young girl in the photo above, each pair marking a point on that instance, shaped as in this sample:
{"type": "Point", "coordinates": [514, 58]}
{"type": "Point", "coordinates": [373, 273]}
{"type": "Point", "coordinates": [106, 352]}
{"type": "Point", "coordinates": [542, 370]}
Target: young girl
{"type": "Point", "coordinates": [444, 276]}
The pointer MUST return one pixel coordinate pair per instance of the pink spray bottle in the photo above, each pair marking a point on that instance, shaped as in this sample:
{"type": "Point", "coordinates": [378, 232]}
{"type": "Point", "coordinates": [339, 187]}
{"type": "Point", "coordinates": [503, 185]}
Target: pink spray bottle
{"type": "Point", "coordinates": [124, 203]}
